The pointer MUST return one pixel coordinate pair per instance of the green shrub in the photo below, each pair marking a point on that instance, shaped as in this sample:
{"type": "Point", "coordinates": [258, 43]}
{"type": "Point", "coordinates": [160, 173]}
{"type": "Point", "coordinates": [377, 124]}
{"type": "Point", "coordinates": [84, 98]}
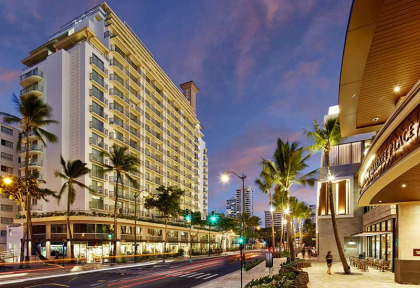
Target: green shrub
{"type": "Point", "coordinates": [252, 264]}
{"type": "Point", "coordinates": [180, 252]}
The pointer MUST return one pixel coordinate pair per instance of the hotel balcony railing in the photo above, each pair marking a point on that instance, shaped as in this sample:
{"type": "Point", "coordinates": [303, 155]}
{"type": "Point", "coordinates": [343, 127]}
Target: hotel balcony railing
{"type": "Point", "coordinates": [103, 69]}
{"type": "Point", "coordinates": [154, 238]}
{"type": "Point", "coordinates": [100, 82]}
{"type": "Point", "coordinates": [116, 63]}
{"type": "Point", "coordinates": [98, 111]}
{"type": "Point", "coordinates": [130, 237]}
{"type": "Point", "coordinates": [113, 106]}
{"type": "Point", "coordinates": [37, 148]}
{"type": "Point", "coordinates": [98, 143]}
{"type": "Point", "coordinates": [98, 96]}
{"type": "Point", "coordinates": [90, 236]}
{"type": "Point", "coordinates": [135, 146]}
{"type": "Point", "coordinates": [118, 137]}
{"type": "Point", "coordinates": [173, 239]}
{"type": "Point", "coordinates": [123, 196]}
{"type": "Point", "coordinates": [59, 236]}
{"type": "Point", "coordinates": [113, 180]}
{"type": "Point", "coordinates": [98, 127]}
{"type": "Point", "coordinates": [119, 123]}
{"type": "Point", "coordinates": [115, 77]}
{"type": "Point", "coordinates": [98, 174]}
{"type": "Point", "coordinates": [35, 72]}
{"type": "Point", "coordinates": [34, 88]}
{"type": "Point", "coordinates": [96, 158]}
{"type": "Point", "coordinates": [99, 190]}
{"type": "Point", "coordinates": [119, 94]}
{"type": "Point", "coordinates": [32, 163]}
{"type": "Point", "coordinates": [135, 120]}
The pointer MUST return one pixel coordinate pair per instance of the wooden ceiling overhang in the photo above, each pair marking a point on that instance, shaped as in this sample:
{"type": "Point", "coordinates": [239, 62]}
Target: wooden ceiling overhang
{"type": "Point", "coordinates": [382, 51]}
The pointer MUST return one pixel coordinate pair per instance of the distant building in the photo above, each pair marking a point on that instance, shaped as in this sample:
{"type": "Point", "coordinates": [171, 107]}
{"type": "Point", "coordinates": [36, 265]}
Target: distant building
{"type": "Point", "coordinates": [231, 207]}
{"type": "Point", "coordinates": [313, 213]}
{"type": "Point", "coordinates": [249, 201]}
{"type": "Point", "coordinates": [278, 217]}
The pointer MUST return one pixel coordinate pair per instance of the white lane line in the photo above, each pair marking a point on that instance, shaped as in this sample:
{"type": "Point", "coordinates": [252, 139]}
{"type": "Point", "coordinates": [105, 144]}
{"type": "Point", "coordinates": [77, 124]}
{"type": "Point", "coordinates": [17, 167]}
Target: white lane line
{"type": "Point", "coordinates": [193, 274]}
{"type": "Point", "coordinates": [198, 275]}
{"type": "Point", "coordinates": [214, 275]}
{"type": "Point", "coordinates": [186, 274]}
{"type": "Point", "coordinates": [204, 274]}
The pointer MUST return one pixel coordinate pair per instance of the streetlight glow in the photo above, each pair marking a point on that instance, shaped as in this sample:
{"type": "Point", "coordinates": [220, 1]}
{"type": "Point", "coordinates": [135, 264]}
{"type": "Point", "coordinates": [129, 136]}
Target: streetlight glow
{"type": "Point", "coordinates": [331, 178]}
{"type": "Point", "coordinates": [284, 221]}
{"type": "Point", "coordinates": [7, 180]}
{"type": "Point", "coordinates": [287, 211]}
{"type": "Point", "coordinates": [224, 178]}
{"type": "Point", "coordinates": [397, 89]}
{"type": "Point", "coordinates": [272, 209]}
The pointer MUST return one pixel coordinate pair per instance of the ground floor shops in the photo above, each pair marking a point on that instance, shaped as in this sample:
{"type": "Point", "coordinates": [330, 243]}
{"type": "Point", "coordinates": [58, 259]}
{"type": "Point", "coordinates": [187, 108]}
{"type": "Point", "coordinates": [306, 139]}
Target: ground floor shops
{"type": "Point", "coordinates": [93, 238]}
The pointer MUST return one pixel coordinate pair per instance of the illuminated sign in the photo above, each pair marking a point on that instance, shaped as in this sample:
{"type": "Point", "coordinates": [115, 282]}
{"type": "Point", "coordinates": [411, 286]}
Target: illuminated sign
{"type": "Point", "coordinates": [403, 140]}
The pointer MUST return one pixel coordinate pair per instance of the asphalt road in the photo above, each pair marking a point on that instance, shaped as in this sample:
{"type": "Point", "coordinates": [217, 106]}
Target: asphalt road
{"type": "Point", "coordinates": [177, 274]}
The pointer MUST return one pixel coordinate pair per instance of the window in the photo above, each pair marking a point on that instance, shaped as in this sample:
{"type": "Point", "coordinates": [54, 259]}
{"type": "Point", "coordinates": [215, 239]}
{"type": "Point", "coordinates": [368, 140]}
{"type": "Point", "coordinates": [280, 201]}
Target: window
{"type": "Point", "coordinates": [97, 109]}
{"type": "Point", "coordinates": [97, 171]}
{"type": "Point", "coordinates": [97, 155]}
{"type": "Point", "coordinates": [6, 169]}
{"type": "Point", "coordinates": [98, 62]}
{"type": "Point", "coordinates": [6, 156]}
{"type": "Point", "coordinates": [98, 78]}
{"type": "Point", "coordinates": [3, 233]}
{"type": "Point", "coordinates": [7, 208]}
{"type": "Point", "coordinates": [5, 220]}
{"type": "Point", "coordinates": [341, 194]}
{"type": "Point", "coordinates": [7, 131]}
{"type": "Point", "coordinates": [97, 140]}
{"type": "Point", "coordinates": [59, 228]}
{"type": "Point", "coordinates": [98, 125]}
{"type": "Point", "coordinates": [7, 143]}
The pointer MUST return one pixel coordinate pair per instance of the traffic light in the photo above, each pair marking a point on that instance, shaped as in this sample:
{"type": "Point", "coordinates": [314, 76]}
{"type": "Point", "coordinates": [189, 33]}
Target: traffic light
{"type": "Point", "coordinates": [213, 217]}
{"type": "Point", "coordinates": [187, 216]}
{"type": "Point", "coordinates": [241, 240]}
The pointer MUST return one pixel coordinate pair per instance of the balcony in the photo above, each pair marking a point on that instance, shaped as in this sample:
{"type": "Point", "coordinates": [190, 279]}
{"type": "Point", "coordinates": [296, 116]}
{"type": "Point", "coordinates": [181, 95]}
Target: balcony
{"type": "Point", "coordinates": [115, 107]}
{"type": "Point", "coordinates": [98, 174]}
{"type": "Point", "coordinates": [119, 82]}
{"type": "Point", "coordinates": [33, 149]}
{"type": "Point", "coordinates": [90, 236]}
{"type": "Point", "coordinates": [102, 69]}
{"type": "Point", "coordinates": [96, 205]}
{"type": "Point", "coordinates": [96, 158]}
{"type": "Point", "coordinates": [154, 238]}
{"type": "Point", "coordinates": [98, 127]}
{"type": "Point", "coordinates": [35, 89]}
{"type": "Point", "coordinates": [31, 77]}
{"type": "Point", "coordinates": [99, 81]}
{"type": "Point", "coordinates": [129, 237]}
{"type": "Point", "coordinates": [119, 137]}
{"type": "Point", "coordinates": [32, 164]}
{"type": "Point", "coordinates": [99, 112]}
{"type": "Point", "coordinates": [98, 96]}
{"type": "Point", "coordinates": [99, 190]}
{"type": "Point", "coordinates": [121, 196]}
{"type": "Point", "coordinates": [118, 67]}
{"type": "Point", "coordinates": [98, 143]}
{"type": "Point", "coordinates": [118, 95]}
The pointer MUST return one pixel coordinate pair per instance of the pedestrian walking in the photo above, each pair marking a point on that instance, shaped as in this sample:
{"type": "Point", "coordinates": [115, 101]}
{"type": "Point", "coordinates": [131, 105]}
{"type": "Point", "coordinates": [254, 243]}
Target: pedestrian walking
{"type": "Point", "coordinates": [329, 259]}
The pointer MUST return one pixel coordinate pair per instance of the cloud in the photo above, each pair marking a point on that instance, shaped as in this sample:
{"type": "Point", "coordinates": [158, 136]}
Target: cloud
{"type": "Point", "coordinates": [8, 76]}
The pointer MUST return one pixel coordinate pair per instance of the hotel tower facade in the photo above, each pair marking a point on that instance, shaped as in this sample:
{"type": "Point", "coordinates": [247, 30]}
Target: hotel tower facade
{"type": "Point", "coordinates": [105, 88]}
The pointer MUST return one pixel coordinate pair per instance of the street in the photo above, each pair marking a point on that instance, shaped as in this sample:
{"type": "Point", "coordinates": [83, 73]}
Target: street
{"type": "Point", "coordinates": [170, 274]}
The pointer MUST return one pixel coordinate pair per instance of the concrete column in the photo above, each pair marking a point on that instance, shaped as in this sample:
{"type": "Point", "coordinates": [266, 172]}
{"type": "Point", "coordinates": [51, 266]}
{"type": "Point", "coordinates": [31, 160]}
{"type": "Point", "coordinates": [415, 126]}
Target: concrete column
{"type": "Point", "coordinates": [407, 266]}
{"type": "Point", "coordinates": [48, 248]}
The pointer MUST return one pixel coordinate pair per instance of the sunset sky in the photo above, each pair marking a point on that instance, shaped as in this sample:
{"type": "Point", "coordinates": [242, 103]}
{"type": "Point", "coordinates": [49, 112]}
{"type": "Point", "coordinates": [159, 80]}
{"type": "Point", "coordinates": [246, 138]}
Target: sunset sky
{"type": "Point", "coordinates": [265, 68]}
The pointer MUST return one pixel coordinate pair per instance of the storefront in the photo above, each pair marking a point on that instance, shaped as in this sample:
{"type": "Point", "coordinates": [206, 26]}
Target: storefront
{"type": "Point", "coordinates": [380, 91]}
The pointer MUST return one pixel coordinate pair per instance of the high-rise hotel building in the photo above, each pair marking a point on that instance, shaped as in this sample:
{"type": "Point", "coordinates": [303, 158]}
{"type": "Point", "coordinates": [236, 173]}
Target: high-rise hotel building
{"type": "Point", "coordinates": [105, 88]}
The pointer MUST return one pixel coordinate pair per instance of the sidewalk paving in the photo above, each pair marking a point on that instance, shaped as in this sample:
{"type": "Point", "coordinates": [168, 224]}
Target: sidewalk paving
{"type": "Point", "coordinates": [318, 277]}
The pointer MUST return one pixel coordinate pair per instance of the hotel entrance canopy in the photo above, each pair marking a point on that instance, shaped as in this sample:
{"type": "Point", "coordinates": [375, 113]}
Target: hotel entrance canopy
{"type": "Point", "coordinates": [379, 91]}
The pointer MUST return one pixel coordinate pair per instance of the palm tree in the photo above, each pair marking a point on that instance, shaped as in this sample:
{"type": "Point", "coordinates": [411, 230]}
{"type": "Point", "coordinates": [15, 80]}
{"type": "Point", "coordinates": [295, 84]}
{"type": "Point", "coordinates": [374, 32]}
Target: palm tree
{"type": "Point", "coordinates": [168, 202]}
{"type": "Point", "coordinates": [34, 116]}
{"type": "Point", "coordinates": [71, 171]}
{"type": "Point", "coordinates": [302, 212]}
{"type": "Point", "coordinates": [122, 163]}
{"type": "Point", "coordinates": [265, 182]}
{"type": "Point", "coordinates": [324, 138]}
{"type": "Point", "coordinates": [280, 204]}
{"type": "Point", "coordinates": [288, 163]}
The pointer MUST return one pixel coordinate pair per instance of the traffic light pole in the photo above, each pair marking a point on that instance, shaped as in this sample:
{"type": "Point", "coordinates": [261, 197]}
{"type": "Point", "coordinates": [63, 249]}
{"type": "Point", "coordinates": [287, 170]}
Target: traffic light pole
{"type": "Point", "coordinates": [209, 237]}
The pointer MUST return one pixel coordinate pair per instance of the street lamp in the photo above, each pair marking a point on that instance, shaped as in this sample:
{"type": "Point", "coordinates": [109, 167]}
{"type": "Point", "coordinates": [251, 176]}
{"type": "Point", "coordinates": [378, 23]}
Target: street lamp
{"type": "Point", "coordinates": [135, 223]}
{"type": "Point", "coordinates": [7, 180]}
{"type": "Point", "coordinates": [225, 178]}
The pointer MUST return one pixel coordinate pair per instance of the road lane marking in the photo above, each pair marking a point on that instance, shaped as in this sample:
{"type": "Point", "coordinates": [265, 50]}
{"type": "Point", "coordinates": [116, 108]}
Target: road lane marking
{"type": "Point", "coordinates": [193, 275]}
{"type": "Point", "coordinates": [204, 274]}
{"type": "Point", "coordinates": [214, 275]}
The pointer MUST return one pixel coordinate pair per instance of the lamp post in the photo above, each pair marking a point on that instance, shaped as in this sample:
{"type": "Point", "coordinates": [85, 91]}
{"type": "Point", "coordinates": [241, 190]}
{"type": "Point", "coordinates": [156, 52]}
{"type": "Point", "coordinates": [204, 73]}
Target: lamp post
{"type": "Point", "coordinates": [225, 178]}
{"type": "Point", "coordinates": [135, 223]}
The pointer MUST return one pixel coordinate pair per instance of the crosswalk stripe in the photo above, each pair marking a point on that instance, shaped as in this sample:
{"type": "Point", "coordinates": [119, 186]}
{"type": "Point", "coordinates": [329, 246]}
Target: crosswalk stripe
{"type": "Point", "coordinates": [186, 274]}
{"type": "Point", "coordinates": [201, 276]}
{"type": "Point", "coordinates": [193, 274]}
{"type": "Point", "coordinates": [198, 274]}
{"type": "Point", "coordinates": [211, 276]}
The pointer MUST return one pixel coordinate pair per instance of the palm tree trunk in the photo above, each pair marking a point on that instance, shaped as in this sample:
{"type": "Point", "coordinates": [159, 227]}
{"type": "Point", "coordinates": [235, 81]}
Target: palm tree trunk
{"type": "Point", "coordinates": [272, 223]}
{"type": "Point", "coordinates": [115, 219]}
{"type": "Point", "coordinates": [346, 266]}
{"type": "Point", "coordinates": [166, 234]}
{"type": "Point", "coordinates": [290, 239]}
{"type": "Point", "coordinates": [69, 228]}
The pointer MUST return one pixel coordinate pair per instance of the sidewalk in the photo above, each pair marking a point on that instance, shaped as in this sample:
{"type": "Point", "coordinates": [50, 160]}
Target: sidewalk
{"type": "Point", "coordinates": [233, 280]}
{"type": "Point", "coordinates": [374, 278]}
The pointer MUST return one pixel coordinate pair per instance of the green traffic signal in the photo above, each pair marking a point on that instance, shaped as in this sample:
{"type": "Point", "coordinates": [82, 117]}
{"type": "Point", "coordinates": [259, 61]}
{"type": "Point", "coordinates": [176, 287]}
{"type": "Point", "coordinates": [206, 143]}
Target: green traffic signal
{"type": "Point", "coordinates": [188, 218]}
{"type": "Point", "coordinates": [213, 219]}
{"type": "Point", "coordinates": [241, 240]}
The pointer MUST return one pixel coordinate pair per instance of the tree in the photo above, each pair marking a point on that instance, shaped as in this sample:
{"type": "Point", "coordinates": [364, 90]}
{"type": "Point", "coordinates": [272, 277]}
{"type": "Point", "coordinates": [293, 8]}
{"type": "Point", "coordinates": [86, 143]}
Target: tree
{"type": "Point", "coordinates": [34, 116]}
{"type": "Point", "coordinates": [266, 182]}
{"type": "Point", "coordinates": [122, 163]}
{"type": "Point", "coordinates": [309, 232]}
{"type": "Point", "coordinates": [199, 224]}
{"type": "Point", "coordinates": [280, 204]}
{"type": "Point", "coordinates": [323, 139]}
{"type": "Point", "coordinates": [225, 225]}
{"type": "Point", "coordinates": [168, 202]}
{"type": "Point", "coordinates": [302, 212]}
{"type": "Point", "coordinates": [288, 163]}
{"type": "Point", "coordinates": [18, 191]}
{"type": "Point", "coordinates": [71, 171]}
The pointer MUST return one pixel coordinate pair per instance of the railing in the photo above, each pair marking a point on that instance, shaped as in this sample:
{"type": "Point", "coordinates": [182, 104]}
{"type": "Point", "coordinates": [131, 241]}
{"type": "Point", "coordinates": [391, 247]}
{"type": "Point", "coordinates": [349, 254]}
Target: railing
{"type": "Point", "coordinates": [99, 190]}
{"type": "Point", "coordinates": [103, 69]}
{"type": "Point", "coordinates": [91, 236]}
{"type": "Point", "coordinates": [98, 143]}
{"type": "Point", "coordinates": [96, 126]}
{"type": "Point", "coordinates": [96, 205]}
{"type": "Point", "coordinates": [119, 108]}
{"type": "Point", "coordinates": [98, 111]}
{"type": "Point", "coordinates": [154, 238]}
{"type": "Point", "coordinates": [34, 147]}
{"type": "Point", "coordinates": [129, 237]}
{"type": "Point", "coordinates": [101, 83]}
{"type": "Point", "coordinates": [172, 239]}
{"type": "Point", "coordinates": [119, 123]}
{"type": "Point", "coordinates": [33, 87]}
{"type": "Point", "coordinates": [118, 137]}
{"type": "Point", "coordinates": [100, 97]}
{"type": "Point", "coordinates": [35, 72]}
{"type": "Point", "coordinates": [118, 93]}
{"type": "Point", "coordinates": [98, 174]}
{"type": "Point", "coordinates": [58, 236]}
{"type": "Point", "coordinates": [31, 163]}
{"type": "Point", "coordinates": [96, 158]}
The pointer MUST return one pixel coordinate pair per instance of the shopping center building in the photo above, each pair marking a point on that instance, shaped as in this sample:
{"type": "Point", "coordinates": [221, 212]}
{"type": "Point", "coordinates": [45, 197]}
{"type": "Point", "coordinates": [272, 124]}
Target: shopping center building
{"type": "Point", "coordinates": [106, 88]}
{"type": "Point", "coordinates": [379, 92]}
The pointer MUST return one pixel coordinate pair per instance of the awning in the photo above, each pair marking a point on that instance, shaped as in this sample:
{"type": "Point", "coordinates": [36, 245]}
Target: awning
{"type": "Point", "coordinates": [371, 233]}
